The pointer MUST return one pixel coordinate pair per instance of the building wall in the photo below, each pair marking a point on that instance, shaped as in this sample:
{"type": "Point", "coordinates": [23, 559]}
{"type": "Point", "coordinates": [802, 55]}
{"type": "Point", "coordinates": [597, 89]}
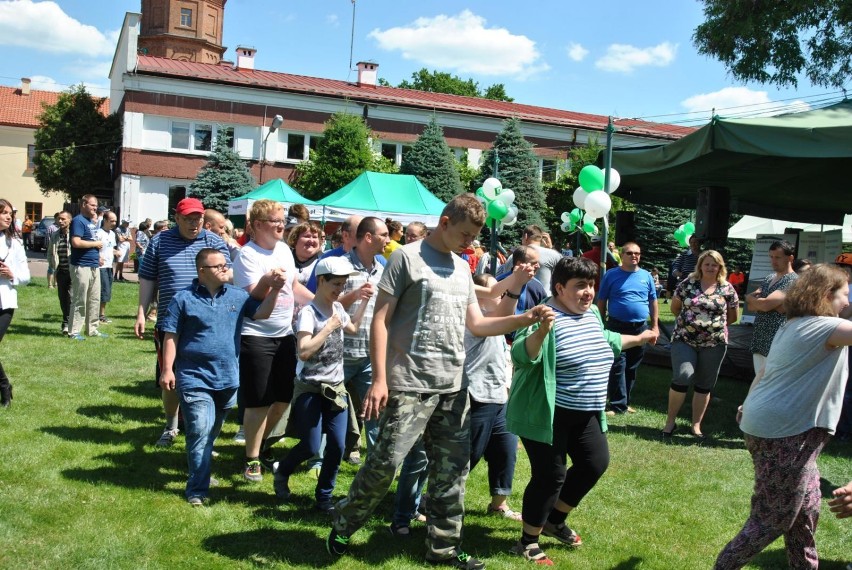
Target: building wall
{"type": "Point", "coordinates": [17, 183]}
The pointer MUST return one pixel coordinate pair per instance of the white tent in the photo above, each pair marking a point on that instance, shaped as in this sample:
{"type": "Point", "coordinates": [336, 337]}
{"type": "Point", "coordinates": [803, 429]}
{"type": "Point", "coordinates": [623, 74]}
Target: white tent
{"type": "Point", "coordinates": [750, 226]}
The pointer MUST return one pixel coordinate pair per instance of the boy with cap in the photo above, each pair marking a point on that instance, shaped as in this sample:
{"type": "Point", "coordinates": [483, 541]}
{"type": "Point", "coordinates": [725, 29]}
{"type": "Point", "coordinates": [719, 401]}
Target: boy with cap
{"type": "Point", "coordinates": [320, 403]}
{"type": "Point", "coordinates": [201, 350]}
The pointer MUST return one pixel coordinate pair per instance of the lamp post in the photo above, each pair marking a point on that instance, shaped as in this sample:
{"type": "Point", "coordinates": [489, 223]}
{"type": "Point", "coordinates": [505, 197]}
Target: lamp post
{"type": "Point", "coordinates": [276, 122]}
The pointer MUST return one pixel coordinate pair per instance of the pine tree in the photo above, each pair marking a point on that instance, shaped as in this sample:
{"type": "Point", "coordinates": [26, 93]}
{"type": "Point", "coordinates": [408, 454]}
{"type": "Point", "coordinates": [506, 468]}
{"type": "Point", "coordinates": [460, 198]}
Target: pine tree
{"type": "Point", "coordinates": [433, 163]}
{"type": "Point", "coordinates": [518, 170]}
{"type": "Point", "coordinates": [342, 154]}
{"type": "Point", "coordinates": [225, 176]}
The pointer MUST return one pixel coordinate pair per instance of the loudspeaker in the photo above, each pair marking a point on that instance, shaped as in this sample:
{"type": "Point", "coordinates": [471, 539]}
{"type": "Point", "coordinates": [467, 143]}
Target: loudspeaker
{"type": "Point", "coordinates": [625, 227]}
{"type": "Point", "coordinates": [712, 212]}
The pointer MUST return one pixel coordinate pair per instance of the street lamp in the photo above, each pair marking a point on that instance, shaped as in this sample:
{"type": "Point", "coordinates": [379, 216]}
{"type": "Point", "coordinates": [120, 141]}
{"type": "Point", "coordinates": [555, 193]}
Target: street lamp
{"type": "Point", "coordinates": [276, 122]}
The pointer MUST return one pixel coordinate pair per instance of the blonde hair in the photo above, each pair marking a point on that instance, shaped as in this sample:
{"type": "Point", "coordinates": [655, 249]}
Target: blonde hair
{"type": "Point", "coordinates": [809, 294]}
{"type": "Point", "coordinates": [721, 277]}
{"type": "Point", "coordinates": [262, 209]}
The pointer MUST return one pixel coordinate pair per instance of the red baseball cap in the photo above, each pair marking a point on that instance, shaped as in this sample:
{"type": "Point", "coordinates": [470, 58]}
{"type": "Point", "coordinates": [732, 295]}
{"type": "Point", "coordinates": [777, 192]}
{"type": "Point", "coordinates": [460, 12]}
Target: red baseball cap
{"type": "Point", "coordinates": [189, 206]}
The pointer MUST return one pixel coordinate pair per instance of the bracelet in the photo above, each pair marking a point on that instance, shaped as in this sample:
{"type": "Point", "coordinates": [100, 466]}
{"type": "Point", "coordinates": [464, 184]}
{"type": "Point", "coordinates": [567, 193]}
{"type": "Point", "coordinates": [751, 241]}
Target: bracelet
{"type": "Point", "coordinates": [512, 295]}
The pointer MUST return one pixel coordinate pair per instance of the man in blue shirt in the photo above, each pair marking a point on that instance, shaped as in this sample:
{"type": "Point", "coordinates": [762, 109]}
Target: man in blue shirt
{"type": "Point", "coordinates": [167, 267]}
{"type": "Point", "coordinates": [201, 351]}
{"type": "Point", "coordinates": [85, 271]}
{"type": "Point", "coordinates": [626, 300]}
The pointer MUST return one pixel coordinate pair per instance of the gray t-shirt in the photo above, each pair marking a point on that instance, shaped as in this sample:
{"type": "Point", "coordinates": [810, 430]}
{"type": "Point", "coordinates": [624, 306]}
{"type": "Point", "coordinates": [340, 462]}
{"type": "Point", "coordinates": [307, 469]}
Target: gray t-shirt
{"type": "Point", "coordinates": [547, 260]}
{"type": "Point", "coordinates": [426, 333]}
{"type": "Point", "coordinates": [485, 368]}
{"type": "Point", "coordinates": [326, 365]}
{"type": "Point", "coordinates": [803, 383]}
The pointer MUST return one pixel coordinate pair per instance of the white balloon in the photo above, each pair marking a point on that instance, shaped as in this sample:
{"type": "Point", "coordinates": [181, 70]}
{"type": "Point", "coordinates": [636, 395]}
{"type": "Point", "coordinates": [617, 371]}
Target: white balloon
{"type": "Point", "coordinates": [506, 196]}
{"type": "Point", "coordinates": [565, 227]}
{"type": "Point", "coordinates": [565, 217]}
{"type": "Point", "coordinates": [491, 188]}
{"type": "Point", "coordinates": [614, 181]}
{"type": "Point", "coordinates": [598, 204]}
{"type": "Point", "coordinates": [509, 218]}
{"type": "Point", "coordinates": [580, 197]}
{"type": "Point", "coordinates": [588, 218]}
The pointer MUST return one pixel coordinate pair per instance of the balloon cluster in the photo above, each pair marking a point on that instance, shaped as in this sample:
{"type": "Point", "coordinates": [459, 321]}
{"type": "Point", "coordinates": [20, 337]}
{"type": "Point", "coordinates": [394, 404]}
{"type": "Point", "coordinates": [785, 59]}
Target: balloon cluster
{"type": "Point", "coordinates": [591, 196]}
{"type": "Point", "coordinates": [499, 203]}
{"type": "Point", "coordinates": [683, 233]}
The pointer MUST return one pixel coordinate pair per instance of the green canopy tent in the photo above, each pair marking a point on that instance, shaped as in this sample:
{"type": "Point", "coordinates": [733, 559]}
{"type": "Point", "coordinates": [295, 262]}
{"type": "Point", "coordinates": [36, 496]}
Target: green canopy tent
{"type": "Point", "coordinates": [277, 190]}
{"type": "Point", "coordinates": [793, 167]}
{"type": "Point", "coordinates": [399, 196]}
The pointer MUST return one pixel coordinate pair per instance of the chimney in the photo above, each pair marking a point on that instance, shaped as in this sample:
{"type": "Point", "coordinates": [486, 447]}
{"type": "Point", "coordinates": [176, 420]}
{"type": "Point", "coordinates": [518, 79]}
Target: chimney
{"type": "Point", "coordinates": [367, 72]}
{"type": "Point", "coordinates": [25, 85]}
{"type": "Point", "coordinates": [245, 57]}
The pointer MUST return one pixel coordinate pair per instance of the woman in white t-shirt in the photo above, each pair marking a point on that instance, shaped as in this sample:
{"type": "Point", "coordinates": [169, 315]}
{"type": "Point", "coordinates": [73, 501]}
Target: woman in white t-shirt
{"type": "Point", "coordinates": [13, 272]}
{"type": "Point", "coordinates": [788, 416]}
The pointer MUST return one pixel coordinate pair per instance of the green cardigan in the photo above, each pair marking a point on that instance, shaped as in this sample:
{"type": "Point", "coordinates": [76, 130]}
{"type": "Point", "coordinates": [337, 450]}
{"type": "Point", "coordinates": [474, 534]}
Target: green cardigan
{"type": "Point", "coordinates": [532, 400]}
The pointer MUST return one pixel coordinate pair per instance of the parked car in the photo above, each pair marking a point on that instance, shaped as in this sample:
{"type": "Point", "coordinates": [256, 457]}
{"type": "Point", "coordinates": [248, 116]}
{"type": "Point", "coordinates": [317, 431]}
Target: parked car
{"type": "Point", "coordinates": [40, 234]}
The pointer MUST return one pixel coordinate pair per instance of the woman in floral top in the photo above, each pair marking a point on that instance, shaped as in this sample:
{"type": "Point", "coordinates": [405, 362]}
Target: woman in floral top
{"type": "Point", "coordinates": [704, 304]}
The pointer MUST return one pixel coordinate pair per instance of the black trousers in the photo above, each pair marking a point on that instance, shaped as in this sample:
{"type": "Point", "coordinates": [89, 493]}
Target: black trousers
{"type": "Point", "coordinates": [63, 290]}
{"type": "Point", "coordinates": [578, 435]}
{"type": "Point", "coordinates": [5, 320]}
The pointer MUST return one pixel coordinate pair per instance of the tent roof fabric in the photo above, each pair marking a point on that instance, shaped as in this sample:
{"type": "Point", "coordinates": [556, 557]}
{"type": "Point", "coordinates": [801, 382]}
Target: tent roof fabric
{"type": "Point", "coordinates": [793, 166]}
{"type": "Point", "coordinates": [277, 190]}
{"type": "Point", "coordinates": [401, 196]}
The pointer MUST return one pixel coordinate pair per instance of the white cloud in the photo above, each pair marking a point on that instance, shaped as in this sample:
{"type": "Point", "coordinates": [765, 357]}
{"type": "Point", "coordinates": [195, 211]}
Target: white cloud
{"type": "Point", "coordinates": [43, 26]}
{"type": "Point", "coordinates": [741, 102]}
{"type": "Point", "coordinates": [44, 83]}
{"type": "Point", "coordinates": [462, 43]}
{"type": "Point", "coordinates": [625, 58]}
{"type": "Point", "coordinates": [332, 20]}
{"type": "Point", "coordinates": [577, 52]}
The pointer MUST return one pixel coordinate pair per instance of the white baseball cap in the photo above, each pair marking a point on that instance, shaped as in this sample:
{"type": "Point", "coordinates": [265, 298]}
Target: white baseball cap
{"type": "Point", "coordinates": [336, 266]}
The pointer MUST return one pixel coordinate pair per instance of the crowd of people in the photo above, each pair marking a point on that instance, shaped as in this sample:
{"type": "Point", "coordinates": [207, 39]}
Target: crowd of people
{"type": "Point", "coordinates": [399, 341]}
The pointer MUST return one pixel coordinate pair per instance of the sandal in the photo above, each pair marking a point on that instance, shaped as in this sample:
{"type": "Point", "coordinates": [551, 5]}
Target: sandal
{"type": "Point", "coordinates": [505, 513]}
{"type": "Point", "coordinates": [668, 434]}
{"type": "Point", "coordinates": [698, 436]}
{"type": "Point", "coordinates": [400, 530]}
{"type": "Point", "coordinates": [531, 553]}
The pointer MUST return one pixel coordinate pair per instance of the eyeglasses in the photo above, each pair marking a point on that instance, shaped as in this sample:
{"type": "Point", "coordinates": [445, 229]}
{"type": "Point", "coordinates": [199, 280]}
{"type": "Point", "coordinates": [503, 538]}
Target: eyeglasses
{"type": "Point", "coordinates": [220, 267]}
{"type": "Point", "coordinates": [632, 252]}
{"type": "Point", "coordinates": [275, 222]}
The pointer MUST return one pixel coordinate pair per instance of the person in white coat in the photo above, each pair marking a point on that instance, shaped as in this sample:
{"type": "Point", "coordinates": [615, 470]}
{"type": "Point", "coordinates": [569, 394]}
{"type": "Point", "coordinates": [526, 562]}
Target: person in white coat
{"type": "Point", "coordinates": [13, 272]}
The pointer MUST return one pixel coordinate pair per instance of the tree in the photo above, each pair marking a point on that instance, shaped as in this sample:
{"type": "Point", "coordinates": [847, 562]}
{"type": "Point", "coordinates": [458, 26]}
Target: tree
{"type": "Point", "coordinates": [772, 42]}
{"type": "Point", "coordinates": [225, 176]}
{"type": "Point", "coordinates": [468, 175]}
{"type": "Point", "coordinates": [433, 163]}
{"type": "Point", "coordinates": [341, 155]}
{"type": "Point", "coordinates": [518, 170]}
{"type": "Point", "coordinates": [440, 82]}
{"type": "Point", "coordinates": [75, 146]}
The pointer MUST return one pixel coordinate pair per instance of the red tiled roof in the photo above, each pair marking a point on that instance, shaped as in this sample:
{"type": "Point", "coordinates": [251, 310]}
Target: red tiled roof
{"type": "Point", "coordinates": [17, 110]}
{"type": "Point", "coordinates": [225, 74]}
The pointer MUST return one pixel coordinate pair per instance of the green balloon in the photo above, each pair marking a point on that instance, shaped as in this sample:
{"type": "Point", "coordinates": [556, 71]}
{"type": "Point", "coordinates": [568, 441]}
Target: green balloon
{"type": "Point", "coordinates": [689, 228]}
{"type": "Point", "coordinates": [489, 222]}
{"type": "Point", "coordinates": [590, 228]}
{"type": "Point", "coordinates": [480, 192]}
{"type": "Point", "coordinates": [572, 225]}
{"type": "Point", "coordinates": [679, 234]}
{"type": "Point", "coordinates": [497, 209]}
{"type": "Point", "coordinates": [575, 215]}
{"type": "Point", "coordinates": [591, 178]}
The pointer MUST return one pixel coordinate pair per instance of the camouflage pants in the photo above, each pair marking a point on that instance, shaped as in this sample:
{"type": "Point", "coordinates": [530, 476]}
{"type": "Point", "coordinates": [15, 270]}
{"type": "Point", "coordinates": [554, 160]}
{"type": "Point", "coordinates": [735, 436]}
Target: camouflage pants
{"type": "Point", "coordinates": [444, 421]}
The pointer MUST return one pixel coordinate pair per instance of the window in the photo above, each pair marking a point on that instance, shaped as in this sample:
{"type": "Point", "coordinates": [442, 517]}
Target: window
{"type": "Point", "coordinates": [229, 136]}
{"type": "Point", "coordinates": [180, 135]}
{"type": "Point", "coordinates": [295, 146]}
{"type": "Point", "coordinates": [403, 151]}
{"type": "Point", "coordinates": [32, 210]}
{"type": "Point", "coordinates": [201, 136]}
{"type": "Point", "coordinates": [31, 152]}
{"type": "Point", "coordinates": [313, 142]}
{"type": "Point", "coordinates": [186, 17]}
{"type": "Point", "coordinates": [389, 151]}
{"type": "Point", "coordinates": [548, 170]}
{"type": "Point", "coordinates": [176, 194]}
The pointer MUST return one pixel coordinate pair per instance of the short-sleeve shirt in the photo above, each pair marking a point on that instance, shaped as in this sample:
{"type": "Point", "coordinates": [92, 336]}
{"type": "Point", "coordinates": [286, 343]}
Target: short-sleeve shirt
{"type": "Point", "coordinates": [357, 346]}
{"type": "Point", "coordinates": [86, 230]}
{"type": "Point", "coordinates": [803, 382]}
{"type": "Point", "coordinates": [106, 252]}
{"type": "Point", "coordinates": [208, 335]}
{"type": "Point", "coordinates": [628, 294]}
{"type": "Point", "coordinates": [583, 361]}
{"type": "Point", "coordinates": [426, 333]}
{"type": "Point", "coordinates": [170, 261]}
{"type": "Point", "coordinates": [767, 323]}
{"type": "Point", "coordinates": [685, 263]}
{"type": "Point", "coordinates": [703, 319]}
{"type": "Point", "coordinates": [252, 264]}
{"type": "Point", "coordinates": [326, 365]}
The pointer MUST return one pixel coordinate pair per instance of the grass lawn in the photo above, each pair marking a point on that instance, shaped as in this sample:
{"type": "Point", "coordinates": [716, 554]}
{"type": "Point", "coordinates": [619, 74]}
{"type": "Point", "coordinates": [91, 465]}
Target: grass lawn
{"type": "Point", "coordinates": [82, 486]}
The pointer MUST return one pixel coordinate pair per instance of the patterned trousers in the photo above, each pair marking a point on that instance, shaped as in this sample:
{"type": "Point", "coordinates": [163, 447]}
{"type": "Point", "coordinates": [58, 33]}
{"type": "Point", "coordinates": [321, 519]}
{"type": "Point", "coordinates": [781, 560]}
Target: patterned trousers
{"type": "Point", "coordinates": [444, 422]}
{"type": "Point", "coordinates": [786, 500]}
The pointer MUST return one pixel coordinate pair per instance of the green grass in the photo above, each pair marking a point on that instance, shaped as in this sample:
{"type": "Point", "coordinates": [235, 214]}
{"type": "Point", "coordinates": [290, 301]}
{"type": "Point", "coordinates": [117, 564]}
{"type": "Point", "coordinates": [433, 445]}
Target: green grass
{"type": "Point", "coordinates": [82, 486]}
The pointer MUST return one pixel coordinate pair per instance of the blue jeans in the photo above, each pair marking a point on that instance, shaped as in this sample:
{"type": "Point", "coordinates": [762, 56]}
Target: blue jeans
{"type": "Point", "coordinates": [358, 376]}
{"type": "Point", "coordinates": [204, 411]}
{"type": "Point", "coordinates": [409, 486]}
{"type": "Point", "coordinates": [489, 438]}
{"type": "Point", "coordinates": [314, 416]}
{"type": "Point", "coordinates": [622, 375]}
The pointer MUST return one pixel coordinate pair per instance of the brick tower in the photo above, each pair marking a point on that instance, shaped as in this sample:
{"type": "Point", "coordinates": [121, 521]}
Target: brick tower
{"type": "Point", "coordinates": [185, 30]}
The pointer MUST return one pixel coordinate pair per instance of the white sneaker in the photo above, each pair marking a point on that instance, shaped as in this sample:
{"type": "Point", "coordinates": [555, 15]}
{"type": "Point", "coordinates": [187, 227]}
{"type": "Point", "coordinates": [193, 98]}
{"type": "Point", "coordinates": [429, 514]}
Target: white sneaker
{"type": "Point", "coordinates": [168, 438]}
{"type": "Point", "coordinates": [240, 437]}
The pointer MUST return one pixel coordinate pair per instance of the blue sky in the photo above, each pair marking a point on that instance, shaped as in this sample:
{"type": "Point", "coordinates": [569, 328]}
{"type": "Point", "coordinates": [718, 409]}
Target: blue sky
{"type": "Point", "coordinates": [610, 57]}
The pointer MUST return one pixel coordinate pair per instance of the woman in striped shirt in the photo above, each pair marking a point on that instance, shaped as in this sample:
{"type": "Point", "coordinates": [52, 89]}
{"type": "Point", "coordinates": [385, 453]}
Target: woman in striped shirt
{"type": "Point", "coordinates": [557, 403]}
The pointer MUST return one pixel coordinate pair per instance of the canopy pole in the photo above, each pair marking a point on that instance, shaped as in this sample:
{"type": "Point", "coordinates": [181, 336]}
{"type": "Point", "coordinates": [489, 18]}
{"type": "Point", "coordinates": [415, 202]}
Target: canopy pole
{"type": "Point", "coordinates": [607, 167]}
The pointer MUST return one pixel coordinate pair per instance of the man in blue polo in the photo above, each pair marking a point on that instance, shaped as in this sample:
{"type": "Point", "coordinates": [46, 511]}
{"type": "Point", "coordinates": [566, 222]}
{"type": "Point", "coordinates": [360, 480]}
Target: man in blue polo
{"type": "Point", "coordinates": [85, 271]}
{"type": "Point", "coordinates": [168, 267]}
{"type": "Point", "coordinates": [626, 300]}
